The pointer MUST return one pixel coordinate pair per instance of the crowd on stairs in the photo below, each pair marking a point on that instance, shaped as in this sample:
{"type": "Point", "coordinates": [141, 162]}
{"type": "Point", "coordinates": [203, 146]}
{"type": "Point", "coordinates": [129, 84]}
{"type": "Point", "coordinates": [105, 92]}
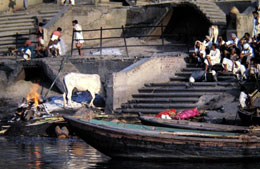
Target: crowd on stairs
{"type": "Point", "coordinates": [240, 57]}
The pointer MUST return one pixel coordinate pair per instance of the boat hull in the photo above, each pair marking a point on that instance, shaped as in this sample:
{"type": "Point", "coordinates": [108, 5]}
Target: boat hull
{"type": "Point", "coordinates": [184, 124]}
{"type": "Point", "coordinates": [120, 143]}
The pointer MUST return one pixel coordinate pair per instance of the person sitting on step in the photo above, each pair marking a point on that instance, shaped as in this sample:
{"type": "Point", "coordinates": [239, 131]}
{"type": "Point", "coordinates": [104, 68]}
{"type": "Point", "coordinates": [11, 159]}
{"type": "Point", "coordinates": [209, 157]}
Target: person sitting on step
{"type": "Point", "coordinates": [27, 51]}
{"type": "Point", "coordinates": [212, 58]}
{"type": "Point", "coordinates": [199, 53]}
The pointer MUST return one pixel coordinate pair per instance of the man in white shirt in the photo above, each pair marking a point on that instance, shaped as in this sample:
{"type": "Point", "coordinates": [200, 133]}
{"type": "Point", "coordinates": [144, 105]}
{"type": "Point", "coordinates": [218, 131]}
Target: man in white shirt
{"type": "Point", "coordinates": [78, 35]}
{"type": "Point", "coordinates": [233, 42]}
{"type": "Point", "coordinates": [246, 54]}
{"type": "Point", "coordinates": [213, 57]}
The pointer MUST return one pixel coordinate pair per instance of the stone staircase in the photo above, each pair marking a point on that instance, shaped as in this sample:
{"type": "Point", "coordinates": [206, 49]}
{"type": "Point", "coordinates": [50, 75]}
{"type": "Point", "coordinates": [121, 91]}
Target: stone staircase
{"type": "Point", "coordinates": [157, 97]}
{"type": "Point", "coordinates": [17, 27]}
{"type": "Point", "coordinates": [211, 10]}
{"type": "Point", "coordinates": [208, 7]}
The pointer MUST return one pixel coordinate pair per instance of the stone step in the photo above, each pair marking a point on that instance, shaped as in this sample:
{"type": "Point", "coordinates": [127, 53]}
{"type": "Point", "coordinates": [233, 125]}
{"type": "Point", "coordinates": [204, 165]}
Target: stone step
{"type": "Point", "coordinates": [186, 78]}
{"type": "Point", "coordinates": [183, 74]}
{"type": "Point", "coordinates": [214, 12]}
{"type": "Point", "coordinates": [46, 15]}
{"type": "Point", "coordinates": [20, 41]}
{"type": "Point", "coordinates": [169, 94]}
{"type": "Point", "coordinates": [24, 21]}
{"type": "Point", "coordinates": [206, 5]}
{"type": "Point", "coordinates": [184, 89]}
{"type": "Point", "coordinates": [159, 106]}
{"type": "Point", "coordinates": [164, 100]}
{"type": "Point", "coordinates": [213, 17]}
{"type": "Point", "coordinates": [13, 33]}
{"type": "Point", "coordinates": [189, 74]}
{"type": "Point", "coordinates": [49, 11]}
{"type": "Point", "coordinates": [192, 65]}
{"type": "Point", "coordinates": [17, 28]}
{"type": "Point", "coordinates": [20, 13]}
{"type": "Point", "coordinates": [197, 84]}
{"type": "Point", "coordinates": [16, 17]}
{"type": "Point", "coordinates": [7, 25]}
{"type": "Point", "coordinates": [192, 69]}
{"type": "Point", "coordinates": [13, 38]}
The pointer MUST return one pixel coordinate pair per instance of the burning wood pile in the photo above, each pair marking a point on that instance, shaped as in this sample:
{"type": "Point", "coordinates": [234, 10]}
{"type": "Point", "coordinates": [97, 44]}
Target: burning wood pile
{"type": "Point", "coordinates": [31, 108]}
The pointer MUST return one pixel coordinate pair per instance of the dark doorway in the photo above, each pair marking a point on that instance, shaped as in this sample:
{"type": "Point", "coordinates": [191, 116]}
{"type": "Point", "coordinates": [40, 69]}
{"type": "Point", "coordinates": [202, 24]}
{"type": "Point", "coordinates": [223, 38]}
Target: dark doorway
{"type": "Point", "coordinates": [37, 75]}
{"type": "Point", "coordinates": [187, 24]}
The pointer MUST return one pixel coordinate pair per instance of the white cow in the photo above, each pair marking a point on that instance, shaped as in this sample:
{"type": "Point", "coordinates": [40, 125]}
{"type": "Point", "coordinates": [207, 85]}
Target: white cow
{"type": "Point", "coordinates": [82, 82]}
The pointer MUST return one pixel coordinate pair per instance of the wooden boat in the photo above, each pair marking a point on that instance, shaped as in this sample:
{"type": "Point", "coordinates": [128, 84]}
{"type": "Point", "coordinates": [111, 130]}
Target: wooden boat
{"type": "Point", "coordinates": [129, 141]}
{"type": "Point", "coordinates": [185, 124]}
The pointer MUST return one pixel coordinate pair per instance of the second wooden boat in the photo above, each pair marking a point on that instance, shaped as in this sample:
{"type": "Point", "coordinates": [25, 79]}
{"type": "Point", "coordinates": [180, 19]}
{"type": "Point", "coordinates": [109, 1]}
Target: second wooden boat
{"type": "Point", "coordinates": [185, 124]}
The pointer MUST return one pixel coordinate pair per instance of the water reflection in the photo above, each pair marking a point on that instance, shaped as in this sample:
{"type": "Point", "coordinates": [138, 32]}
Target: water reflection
{"type": "Point", "coordinates": [39, 153]}
{"type": "Point", "coordinates": [26, 152]}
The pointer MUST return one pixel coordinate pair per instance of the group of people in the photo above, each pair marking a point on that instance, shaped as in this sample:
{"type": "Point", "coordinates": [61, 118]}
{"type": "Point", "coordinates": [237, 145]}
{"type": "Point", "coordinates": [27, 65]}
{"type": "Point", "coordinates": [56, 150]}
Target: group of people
{"type": "Point", "coordinates": [56, 45]}
{"type": "Point", "coordinates": [239, 56]}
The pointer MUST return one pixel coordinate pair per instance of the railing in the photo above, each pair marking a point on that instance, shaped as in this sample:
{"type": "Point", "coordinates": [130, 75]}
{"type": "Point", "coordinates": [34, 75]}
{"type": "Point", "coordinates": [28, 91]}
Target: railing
{"type": "Point", "coordinates": [124, 36]}
{"type": "Point", "coordinates": [18, 41]}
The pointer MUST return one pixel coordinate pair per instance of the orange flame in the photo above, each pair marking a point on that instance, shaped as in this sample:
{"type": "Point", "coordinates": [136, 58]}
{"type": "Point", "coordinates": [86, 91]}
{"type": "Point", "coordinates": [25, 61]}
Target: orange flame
{"type": "Point", "coordinates": [34, 95]}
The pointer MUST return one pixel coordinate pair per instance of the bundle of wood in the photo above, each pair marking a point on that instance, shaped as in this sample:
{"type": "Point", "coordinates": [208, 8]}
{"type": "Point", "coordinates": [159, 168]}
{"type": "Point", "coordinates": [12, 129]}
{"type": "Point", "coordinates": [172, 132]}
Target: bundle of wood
{"type": "Point", "coordinates": [28, 110]}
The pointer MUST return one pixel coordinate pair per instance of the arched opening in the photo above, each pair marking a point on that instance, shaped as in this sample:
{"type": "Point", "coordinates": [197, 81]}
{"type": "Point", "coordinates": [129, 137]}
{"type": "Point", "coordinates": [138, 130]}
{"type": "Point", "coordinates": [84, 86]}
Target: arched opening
{"type": "Point", "coordinates": [36, 74]}
{"type": "Point", "coordinates": [187, 24]}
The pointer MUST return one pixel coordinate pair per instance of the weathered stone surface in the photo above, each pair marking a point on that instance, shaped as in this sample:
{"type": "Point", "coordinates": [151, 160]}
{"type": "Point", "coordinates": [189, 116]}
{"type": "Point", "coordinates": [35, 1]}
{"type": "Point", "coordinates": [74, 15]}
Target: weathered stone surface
{"type": "Point", "coordinates": [3, 77]}
{"type": "Point", "coordinates": [123, 84]}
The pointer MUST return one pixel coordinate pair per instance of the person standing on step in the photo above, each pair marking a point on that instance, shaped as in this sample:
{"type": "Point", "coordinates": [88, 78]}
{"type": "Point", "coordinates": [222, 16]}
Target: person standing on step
{"type": "Point", "coordinates": [11, 5]}
{"type": "Point", "coordinates": [25, 4]}
{"type": "Point", "coordinates": [256, 26]}
{"type": "Point", "coordinates": [78, 35]}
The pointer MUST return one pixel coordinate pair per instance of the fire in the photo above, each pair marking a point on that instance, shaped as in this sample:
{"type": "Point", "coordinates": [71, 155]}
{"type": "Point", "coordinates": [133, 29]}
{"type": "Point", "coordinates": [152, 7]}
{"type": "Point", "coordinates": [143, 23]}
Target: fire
{"type": "Point", "coordinates": [34, 95]}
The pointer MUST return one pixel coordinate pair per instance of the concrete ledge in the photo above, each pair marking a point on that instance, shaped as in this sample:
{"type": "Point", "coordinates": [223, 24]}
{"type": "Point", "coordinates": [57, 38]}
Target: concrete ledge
{"type": "Point", "coordinates": [123, 84]}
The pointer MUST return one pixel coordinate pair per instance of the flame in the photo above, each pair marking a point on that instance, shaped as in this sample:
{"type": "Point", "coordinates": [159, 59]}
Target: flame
{"type": "Point", "coordinates": [34, 95]}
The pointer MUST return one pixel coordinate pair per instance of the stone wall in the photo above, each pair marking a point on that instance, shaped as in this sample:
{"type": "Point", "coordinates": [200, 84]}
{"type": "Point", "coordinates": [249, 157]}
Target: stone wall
{"type": "Point", "coordinates": [101, 67]}
{"type": "Point", "coordinates": [123, 84]}
{"type": "Point", "coordinates": [89, 17]}
{"type": "Point", "coordinates": [244, 22]}
{"type": "Point", "coordinates": [4, 4]}
{"type": "Point", "coordinates": [144, 15]}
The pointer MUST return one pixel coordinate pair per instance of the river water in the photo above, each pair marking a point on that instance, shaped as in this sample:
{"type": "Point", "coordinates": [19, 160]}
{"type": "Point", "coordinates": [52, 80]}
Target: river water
{"type": "Point", "coordinates": [52, 153]}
